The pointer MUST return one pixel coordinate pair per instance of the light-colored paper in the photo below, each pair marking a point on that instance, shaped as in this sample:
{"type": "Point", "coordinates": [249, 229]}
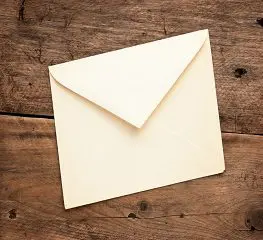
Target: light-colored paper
{"type": "Point", "coordinates": [136, 119]}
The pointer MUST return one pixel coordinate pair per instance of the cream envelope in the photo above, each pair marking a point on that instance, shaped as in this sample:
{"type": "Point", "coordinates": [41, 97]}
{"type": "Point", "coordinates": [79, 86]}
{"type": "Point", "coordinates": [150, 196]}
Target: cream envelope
{"type": "Point", "coordinates": [136, 119]}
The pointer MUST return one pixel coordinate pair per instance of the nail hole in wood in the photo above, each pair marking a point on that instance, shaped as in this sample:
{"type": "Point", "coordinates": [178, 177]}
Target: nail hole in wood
{"type": "Point", "coordinates": [260, 21]}
{"type": "Point", "coordinates": [181, 215]}
{"type": "Point", "coordinates": [12, 214]}
{"type": "Point", "coordinates": [254, 220]}
{"type": "Point", "coordinates": [132, 215]}
{"type": "Point", "coordinates": [239, 72]}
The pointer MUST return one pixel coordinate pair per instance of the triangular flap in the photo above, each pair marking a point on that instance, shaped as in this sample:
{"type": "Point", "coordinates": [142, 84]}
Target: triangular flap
{"type": "Point", "coordinates": [131, 82]}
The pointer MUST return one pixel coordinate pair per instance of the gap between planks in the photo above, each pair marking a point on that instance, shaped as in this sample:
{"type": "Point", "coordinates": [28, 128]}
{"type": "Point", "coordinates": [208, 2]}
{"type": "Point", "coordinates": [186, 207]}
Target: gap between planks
{"type": "Point", "coordinates": [42, 116]}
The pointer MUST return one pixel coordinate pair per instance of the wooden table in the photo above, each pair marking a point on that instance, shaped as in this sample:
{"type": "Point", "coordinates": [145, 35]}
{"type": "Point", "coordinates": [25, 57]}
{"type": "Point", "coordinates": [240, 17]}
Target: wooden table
{"type": "Point", "coordinates": [35, 34]}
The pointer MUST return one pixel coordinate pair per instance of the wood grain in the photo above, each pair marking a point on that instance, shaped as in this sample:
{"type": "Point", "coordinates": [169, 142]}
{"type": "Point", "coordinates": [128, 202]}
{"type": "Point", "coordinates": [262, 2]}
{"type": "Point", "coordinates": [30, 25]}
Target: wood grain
{"type": "Point", "coordinates": [224, 206]}
{"type": "Point", "coordinates": [35, 34]}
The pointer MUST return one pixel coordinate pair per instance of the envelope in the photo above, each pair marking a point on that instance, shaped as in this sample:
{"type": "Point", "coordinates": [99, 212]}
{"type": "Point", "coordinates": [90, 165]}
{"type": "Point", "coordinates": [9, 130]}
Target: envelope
{"type": "Point", "coordinates": [136, 119]}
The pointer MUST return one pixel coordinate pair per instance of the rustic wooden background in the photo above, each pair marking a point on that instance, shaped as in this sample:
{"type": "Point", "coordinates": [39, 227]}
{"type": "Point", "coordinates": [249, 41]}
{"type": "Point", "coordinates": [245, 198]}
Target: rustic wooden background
{"type": "Point", "coordinates": [35, 34]}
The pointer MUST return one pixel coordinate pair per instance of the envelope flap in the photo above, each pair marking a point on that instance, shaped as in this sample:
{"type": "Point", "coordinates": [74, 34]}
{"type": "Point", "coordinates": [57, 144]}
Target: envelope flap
{"type": "Point", "coordinates": [131, 82]}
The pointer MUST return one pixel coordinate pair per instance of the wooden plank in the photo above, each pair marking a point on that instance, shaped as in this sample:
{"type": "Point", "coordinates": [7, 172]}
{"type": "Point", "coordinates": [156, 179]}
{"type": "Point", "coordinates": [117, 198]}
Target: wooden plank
{"type": "Point", "coordinates": [32, 225]}
{"type": "Point", "coordinates": [225, 206]}
{"type": "Point", "coordinates": [50, 32]}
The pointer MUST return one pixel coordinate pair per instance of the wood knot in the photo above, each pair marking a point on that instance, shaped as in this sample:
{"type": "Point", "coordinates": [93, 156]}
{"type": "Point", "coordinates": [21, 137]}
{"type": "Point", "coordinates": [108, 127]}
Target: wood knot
{"type": "Point", "coordinates": [239, 72]}
{"type": "Point", "coordinates": [12, 214]}
{"type": "Point", "coordinates": [254, 219]}
{"type": "Point", "coordinates": [143, 206]}
{"type": "Point", "coordinates": [132, 215]}
{"type": "Point", "coordinates": [260, 21]}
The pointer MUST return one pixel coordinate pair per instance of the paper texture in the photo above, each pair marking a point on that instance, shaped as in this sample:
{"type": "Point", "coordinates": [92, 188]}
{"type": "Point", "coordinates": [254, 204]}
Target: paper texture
{"type": "Point", "coordinates": [136, 119]}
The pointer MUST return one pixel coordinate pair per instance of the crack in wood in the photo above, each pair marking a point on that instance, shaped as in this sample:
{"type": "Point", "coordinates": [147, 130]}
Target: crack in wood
{"type": "Point", "coordinates": [164, 26]}
{"type": "Point", "coordinates": [26, 115]}
{"type": "Point", "coordinates": [39, 52]}
{"type": "Point", "coordinates": [21, 10]}
{"type": "Point", "coordinates": [134, 216]}
{"type": "Point", "coordinates": [67, 21]}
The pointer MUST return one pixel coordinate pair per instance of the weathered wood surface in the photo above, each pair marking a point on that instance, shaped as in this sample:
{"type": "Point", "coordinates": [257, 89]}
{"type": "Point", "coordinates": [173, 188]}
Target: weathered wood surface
{"type": "Point", "coordinates": [225, 206]}
{"type": "Point", "coordinates": [35, 34]}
